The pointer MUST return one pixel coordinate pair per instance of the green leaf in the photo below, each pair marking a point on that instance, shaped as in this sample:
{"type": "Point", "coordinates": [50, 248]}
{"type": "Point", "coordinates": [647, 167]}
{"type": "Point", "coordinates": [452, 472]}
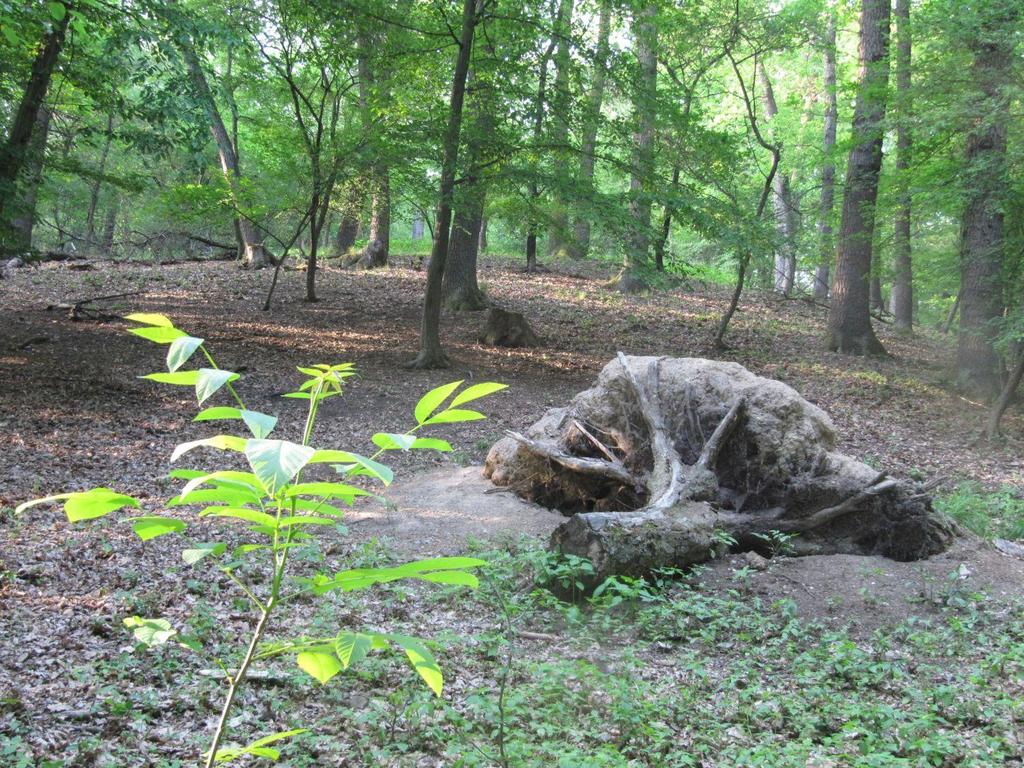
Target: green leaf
{"type": "Point", "coordinates": [453, 416]}
{"type": "Point", "coordinates": [158, 334]}
{"type": "Point", "coordinates": [94, 503]}
{"type": "Point", "coordinates": [242, 481]}
{"type": "Point", "coordinates": [242, 513]}
{"type": "Point", "coordinates": [442, 563]}
{"type": "Point", "coordinates": [57, 10]}
{"type": "Point", "coordinates": [352, 647]}
{"type": "Point", "coordinates": [258, 748]}
{"type": "Point", "coordinates": [181, 350]}
{"type": "Point", "coordinates": [422, 661]}
{"type": "Point", "coordinates": [221, 442]}
{"type": "Point", "coordinates": [179, 378]}
{"type": "Point", "coordinates": [150, 527]}
{"type": "Point", "coordinates": [260, 424]}
{"type": "Point", "coordinates": [218, 412]}
{"type": "Point", "coordinates": [360, 465]}
{"type": "Point", "coordinates": [210, 380]}
{"type": "Point", "coordinates": [347, 493]}
{"type": "Point", "coordinates": [430, 401]}
{"type": "Point", "coordinates": [193, 556]}
{"type": "Point", "coordinates": [477, 391]}
{"type": "Point", "coordinates": [392, 442]}
{"type": "Point", "coordinates": [150, 318]}
{"type": "Point", "coordinates": [459, 578]}
{"type": "Point", "coordinates": [276, 462]}
{"type": "Point", "coordinates": [320, 666]}
{"type": "Point", "coordinates": [150, 632]}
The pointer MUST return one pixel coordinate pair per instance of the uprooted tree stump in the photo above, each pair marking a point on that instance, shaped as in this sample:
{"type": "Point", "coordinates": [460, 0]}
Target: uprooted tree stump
{"type": "Point", "coordinates": [507, 329]}
{"type": "Point", "coordinates": [665, 455]}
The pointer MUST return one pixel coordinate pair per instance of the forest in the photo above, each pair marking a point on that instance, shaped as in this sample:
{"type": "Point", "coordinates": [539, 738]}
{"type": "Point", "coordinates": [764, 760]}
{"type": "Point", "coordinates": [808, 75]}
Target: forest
{"type": "Point", "coordinates": [576, 383]}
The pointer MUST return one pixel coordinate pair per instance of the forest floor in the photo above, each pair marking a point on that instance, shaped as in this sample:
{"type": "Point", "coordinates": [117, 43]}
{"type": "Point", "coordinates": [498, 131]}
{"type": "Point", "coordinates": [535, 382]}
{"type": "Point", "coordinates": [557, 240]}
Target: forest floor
{"type": "Point", "coordinates": [826, 661]}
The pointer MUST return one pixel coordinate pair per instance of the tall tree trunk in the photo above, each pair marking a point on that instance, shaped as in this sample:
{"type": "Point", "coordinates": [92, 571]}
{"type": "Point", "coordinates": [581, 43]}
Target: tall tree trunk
{"type": "Point", "coordinates": [24, 219]}
{"type": "Point", "coordinates": [460, 289]}
{"type": "Point", "coordinates": [558, 231]}
{"type": "Point", "coordinates": [431, 355]}
{"type": "Point", "coordinates": [379, 241]}
{"type": "Point", "coordinates": [110, 227]}
{"type": "Point", "coordinates": [591, 122]}
{"type": "Point", "coordinates": [94, 192]}
{"type": "Point", "coordinates": [981, 233]}
{"type": "Point", "coordinates": [849, 318]}
{"type": "Point", "coordinates": [784, 272]}
{"type": "Point", "coordinates": [533, 188]}
{"type": "Point", "coordinates": [903, 280]}
{"type": "Point", "coordinates": [348, 229]}
{"type": "Point", "coordinates": [828, 169]}
{"type": "Point", "coordinates": [254, 254]}
{"type": "Point", "coordinates": [638, 238]}
{"type": "Point", "coordinates": [666, 226]}
{"type": "Point", "coordinates": [15, 152]}
{"type": "Point", "coordinates": [482, 245]}
{"type": "Point", "coordinates": [418, 226]}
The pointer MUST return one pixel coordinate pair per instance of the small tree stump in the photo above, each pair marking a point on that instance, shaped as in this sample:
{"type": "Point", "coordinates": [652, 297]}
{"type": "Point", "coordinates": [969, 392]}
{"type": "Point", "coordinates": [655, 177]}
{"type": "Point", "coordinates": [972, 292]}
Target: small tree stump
{"type": "Point", "coordinates": [666, 457]}
{"type": "Point", "coordinates": [507, 329]}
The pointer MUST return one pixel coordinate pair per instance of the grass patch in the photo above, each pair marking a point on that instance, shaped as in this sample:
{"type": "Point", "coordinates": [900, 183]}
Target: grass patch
{"type": "Point", "coordinates": [990, 514]}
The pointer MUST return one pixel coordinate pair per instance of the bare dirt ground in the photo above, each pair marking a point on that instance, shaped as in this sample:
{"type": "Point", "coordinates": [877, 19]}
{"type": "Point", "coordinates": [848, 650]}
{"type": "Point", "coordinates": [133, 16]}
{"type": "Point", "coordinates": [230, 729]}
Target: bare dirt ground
{"type": "Point", "coordinates": [73, 415]}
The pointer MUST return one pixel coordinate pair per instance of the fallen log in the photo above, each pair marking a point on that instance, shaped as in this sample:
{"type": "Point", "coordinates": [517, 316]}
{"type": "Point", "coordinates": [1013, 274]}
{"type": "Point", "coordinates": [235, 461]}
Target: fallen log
{"type": "Point", "coordinates": [663, 458]}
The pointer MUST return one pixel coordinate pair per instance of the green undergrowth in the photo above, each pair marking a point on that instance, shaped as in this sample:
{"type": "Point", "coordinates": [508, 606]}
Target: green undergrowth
{"type": "Point", "coordinates": [990, 514]}
{"type": "Point", "coordinates": [659, 673]}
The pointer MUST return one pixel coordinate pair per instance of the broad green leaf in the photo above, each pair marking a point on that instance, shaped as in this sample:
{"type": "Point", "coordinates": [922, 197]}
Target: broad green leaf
{"type": "Point", "coordinates": [150, 318]}
{"type": "Point", "coordinates": [181, 350]}
{"type": "Point", "coordinates": [232, 497]}
{"type": "Point", "coordinates": [320, 666]}
{"type": "Point", "coordinates": [315, 505]}
{"type": "Point", "coordinates": [327, 490]}
{"type": "Point", "coordinates": [352, 647]}
{"type": "Point", "coordinates": [221, 442]}
{"type": "Point", "coordinates": [395, 442]}
{"type": "Point", "coordinates": [260, 424]}
{"type": "Point", "coordinates": [442, 563]}
{"type": "Point", "coordinates": [430, 401]}
{"type": "Point", "coordinates": [477, 391]}
{"type": "Point", "coordinates": [149, 527]}
{"type": "Point", "coordinates": [194, 555]}
{"type": "Point", "coordinates": [453, 416]}
{"type": "Point", "coordinates": [57, 10]}
{"type": "Point", "coordinates": [94, 503]}
{"type": "Point", "coordinates": [158, 334]}
{"type": "Point", "coordinates": [251, 515]}
{"type": "Point", "coordinates": [179, 378]}
{"type": "Point", "coordinates": [218, 412]}
{"type": "Point", "coordinates": [258, 748]}
{"type": "Point", "coordinates": [210, 380]}
{"type": "Point", "coordinates": [276, 462]}
{"type": "Point", "coordinates": [243, 481]}
{"type": "Point", "coordinates": [460, 578]}
{"type": "Point", "coordinates": [360, 465]}
{"type": "Point", "coordinates": [150, 632]}
{"type": "Point", "coordinates": [422, 661]}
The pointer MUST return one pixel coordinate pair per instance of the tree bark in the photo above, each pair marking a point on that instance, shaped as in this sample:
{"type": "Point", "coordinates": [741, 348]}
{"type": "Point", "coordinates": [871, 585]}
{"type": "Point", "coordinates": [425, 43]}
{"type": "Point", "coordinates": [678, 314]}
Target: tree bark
{"type": "Point", "coordinates": [110, 228]}
{"type": "Point", "coordinates": [558, 231]}
{"type": "Point", "coordinates": [592, 121]}
{"type": "Point", "coordinates": [348, 229]}
{"type": "Point", "coordinates": [254, 256]}
{"type": "Point", "coordinates": [379, 241]}
{"type": "Point", "coordinates": [431, 354]}
{"type": "Point", "coordinates": [828, 169]}
{"type": "Point", "coordinates": [533, 190]}
{"type": "Point", "coordinates": [849, 322]}
{"type": "Point", "coordinates": [784, 273]}
{"type": "Point", "coordinates": [15, 152]}
{"type": "Point", "coordinates": [638, 238]}
{"type": "Point", "coordinates": [94, 192]}
{"type": "Point", "coordinates": [903, 281]}
{"type": "Point", "coordinates": [666, 226]}
{"type": "Point", "coordinates": [981, 233]}
{"type": "Point", "coordinates": [23, 220]}
{"type": "Point", "coordinates": [1004, 399]}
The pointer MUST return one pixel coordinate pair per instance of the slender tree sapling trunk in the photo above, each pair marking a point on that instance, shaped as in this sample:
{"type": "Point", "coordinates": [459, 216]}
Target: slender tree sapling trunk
{"type": "Point", "coordinates": [784, 273]}
{"type": "Point", "coordinates": [903, 280]}
{"type": "Point", "coordinates": [849, 320]}
{"type": "Point", "coordinates": [826, 244]}
{"type": "Point", "coordinates": [558, 231]}
{"type": "Point", "coordinates": [94, 192]}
